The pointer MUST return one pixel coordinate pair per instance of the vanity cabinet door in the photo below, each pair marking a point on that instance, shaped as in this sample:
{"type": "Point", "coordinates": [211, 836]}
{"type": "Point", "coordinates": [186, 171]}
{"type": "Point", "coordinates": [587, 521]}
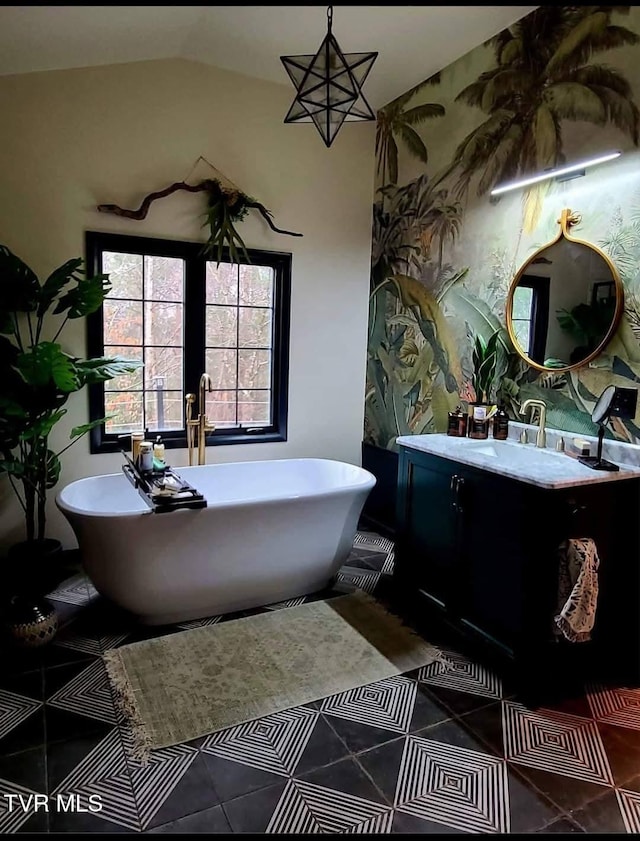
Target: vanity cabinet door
{"type": "Point", "coordinates": [502, 566]}
{"type": "Point", "coordinates": [427, 545]}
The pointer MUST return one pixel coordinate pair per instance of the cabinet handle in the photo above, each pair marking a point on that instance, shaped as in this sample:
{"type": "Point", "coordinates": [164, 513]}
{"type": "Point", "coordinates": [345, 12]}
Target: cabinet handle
{"type": "Point", "coordinates": [459, 486]}
{"type": "Point", "coordinates": [454, 481]}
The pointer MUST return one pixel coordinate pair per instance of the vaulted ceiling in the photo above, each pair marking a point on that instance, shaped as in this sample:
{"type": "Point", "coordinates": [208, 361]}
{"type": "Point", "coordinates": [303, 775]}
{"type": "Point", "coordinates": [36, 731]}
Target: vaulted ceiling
{"type": "Point", "coordinates": [413, 41]}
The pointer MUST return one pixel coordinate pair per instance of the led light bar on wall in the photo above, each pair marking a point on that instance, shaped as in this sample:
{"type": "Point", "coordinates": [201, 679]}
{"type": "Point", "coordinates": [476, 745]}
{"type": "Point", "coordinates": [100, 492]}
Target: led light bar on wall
{"type": "Point", "coordinates": [553, 173]}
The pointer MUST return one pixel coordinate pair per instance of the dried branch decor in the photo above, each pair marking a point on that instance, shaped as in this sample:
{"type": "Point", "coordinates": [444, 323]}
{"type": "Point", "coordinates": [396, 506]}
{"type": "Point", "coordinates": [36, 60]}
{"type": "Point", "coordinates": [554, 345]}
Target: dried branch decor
{"type": "Point", "coordinates": [226, 206]}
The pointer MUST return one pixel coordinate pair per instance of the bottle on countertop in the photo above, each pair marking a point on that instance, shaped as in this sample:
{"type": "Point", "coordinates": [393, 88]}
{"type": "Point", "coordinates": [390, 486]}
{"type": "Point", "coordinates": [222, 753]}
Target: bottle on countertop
{"type": "Point", "coordinates": [457, 423]}
{"type": "Point", "coordinates": [501, 424]}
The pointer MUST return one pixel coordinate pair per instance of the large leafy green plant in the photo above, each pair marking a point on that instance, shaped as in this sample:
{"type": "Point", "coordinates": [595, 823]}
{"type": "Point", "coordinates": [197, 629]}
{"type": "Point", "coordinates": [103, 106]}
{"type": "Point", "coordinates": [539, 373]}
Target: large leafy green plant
{"type": "Point", "coordinates": [485, 360]}
{"type": "Point", "coordinates": [37, 376]}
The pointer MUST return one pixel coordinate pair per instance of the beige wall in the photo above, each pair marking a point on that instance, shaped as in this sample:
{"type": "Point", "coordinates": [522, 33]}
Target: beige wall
{"type": "Point", "coordinates": [72, 139]}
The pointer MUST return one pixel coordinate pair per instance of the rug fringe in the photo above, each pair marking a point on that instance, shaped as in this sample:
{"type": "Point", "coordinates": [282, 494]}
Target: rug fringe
{"type": "Point", "coordinates": [125, 699]}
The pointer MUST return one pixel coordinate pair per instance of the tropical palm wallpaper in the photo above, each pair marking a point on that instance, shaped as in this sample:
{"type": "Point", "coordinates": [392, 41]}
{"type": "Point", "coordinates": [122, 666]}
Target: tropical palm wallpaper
{"type": "Point", "coordinates": [560, 85]}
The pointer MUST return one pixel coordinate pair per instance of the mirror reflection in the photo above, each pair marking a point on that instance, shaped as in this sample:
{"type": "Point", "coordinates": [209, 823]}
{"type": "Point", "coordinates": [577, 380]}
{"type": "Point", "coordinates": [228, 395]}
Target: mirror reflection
{"type": "Point", "coordinates": [563, 304]}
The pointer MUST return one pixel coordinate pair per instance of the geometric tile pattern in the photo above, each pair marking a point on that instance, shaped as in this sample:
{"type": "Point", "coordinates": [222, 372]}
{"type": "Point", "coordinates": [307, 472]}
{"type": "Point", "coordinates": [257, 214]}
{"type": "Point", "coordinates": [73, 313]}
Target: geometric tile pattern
{"type": "Point", "coordinates": [89, 645]}
{"type": "Point", "coordinates": [200, 623]}
{"type": "Point", "coordinates": [389, 564]}
{"type": "Point", "coordinates": [288, 603]}
{"type": "Point", "coordinates": [14, 709]}
{"type": "Point", "coordinates": [87, 694]}
{"type": "Point", "coordinates": [629, 803]}
{"type": "Point", "coordinates": [374, 542]}
{"type": "Point", "coordinates": [76, 590]}
{"type": "Point", "coordinates": [11, 821]}
{"type": "Point", "coordinates": [308, 808]}
{"type": "Point", "coordinates": [556, 742]}
{"type": "Point", "coordinates": [104, 771]}
{"type": "Point", "coordinates": [387, 704]}
{"type": "Point", "coordinates": [274, 743]}
{"type": "Point", "coordinates": [435, 776]}
{"type": "Point", "coordinates": [615, 706]}
{"type": "Point", "coordinates": [451, 785]}
{"type": "Point", "coordinates": [131, 794]}
{"type": "Point", "coordinates": [453, 671]}
{"type": "Point", "coordinates": [365, 581]}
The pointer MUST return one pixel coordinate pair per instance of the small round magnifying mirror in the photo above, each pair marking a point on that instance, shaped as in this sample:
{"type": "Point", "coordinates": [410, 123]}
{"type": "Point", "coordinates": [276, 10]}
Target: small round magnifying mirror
{"type": "Point", "coordinates": [601, 409]}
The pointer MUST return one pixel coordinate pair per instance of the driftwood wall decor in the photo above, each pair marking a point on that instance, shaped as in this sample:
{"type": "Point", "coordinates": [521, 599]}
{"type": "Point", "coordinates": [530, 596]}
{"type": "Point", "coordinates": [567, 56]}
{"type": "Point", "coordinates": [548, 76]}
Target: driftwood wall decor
{"type": "Point", "coordinates": [226, 206]}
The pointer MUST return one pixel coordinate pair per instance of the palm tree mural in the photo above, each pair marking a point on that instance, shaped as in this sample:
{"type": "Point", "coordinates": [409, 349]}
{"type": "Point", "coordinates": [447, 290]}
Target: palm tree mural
{"type": "Point", "coordinates": [543, 76]}
{"type": "Point", "coordinates": [395, 120]}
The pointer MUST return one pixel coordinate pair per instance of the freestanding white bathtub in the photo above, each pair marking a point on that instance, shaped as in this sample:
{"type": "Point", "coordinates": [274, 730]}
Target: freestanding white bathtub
{"type": "Point", "coordinates": [272, 530]}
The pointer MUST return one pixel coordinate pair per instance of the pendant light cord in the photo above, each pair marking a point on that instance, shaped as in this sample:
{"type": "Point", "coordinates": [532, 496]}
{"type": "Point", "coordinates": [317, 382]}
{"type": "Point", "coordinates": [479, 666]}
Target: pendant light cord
{"type": "Point", "coordinates": [329, 17]}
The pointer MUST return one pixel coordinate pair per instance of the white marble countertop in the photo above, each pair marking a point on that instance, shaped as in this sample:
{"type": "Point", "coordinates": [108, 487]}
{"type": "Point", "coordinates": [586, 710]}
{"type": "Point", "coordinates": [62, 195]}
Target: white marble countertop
{"type": "Point", "coordinates": [543, 467]}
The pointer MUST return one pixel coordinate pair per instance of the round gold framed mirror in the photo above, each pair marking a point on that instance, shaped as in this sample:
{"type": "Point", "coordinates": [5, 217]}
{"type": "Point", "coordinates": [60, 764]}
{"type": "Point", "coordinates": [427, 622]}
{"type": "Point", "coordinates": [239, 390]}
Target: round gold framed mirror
{"type": "Point", "coordinates": [565, 302]}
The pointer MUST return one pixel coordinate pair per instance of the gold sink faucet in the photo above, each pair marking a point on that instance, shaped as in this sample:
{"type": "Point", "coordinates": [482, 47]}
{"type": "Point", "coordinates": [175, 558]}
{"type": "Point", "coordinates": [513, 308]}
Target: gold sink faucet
{"type": "Point", "coordinates": [200, 423]}
{"type": "Point", "coordinates": [541, 437]}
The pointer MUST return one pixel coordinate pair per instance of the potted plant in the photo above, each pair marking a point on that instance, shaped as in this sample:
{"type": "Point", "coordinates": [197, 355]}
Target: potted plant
{"type": "Point", "coordinates": [37, 378]}
{"type": "Point", "coordinates": [485, 359]}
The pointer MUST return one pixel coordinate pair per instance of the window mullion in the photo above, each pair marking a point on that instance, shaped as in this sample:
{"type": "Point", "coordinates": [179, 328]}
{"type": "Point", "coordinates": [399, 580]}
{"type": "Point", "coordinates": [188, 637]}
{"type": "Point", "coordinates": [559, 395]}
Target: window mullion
{"type": "Point", "coordinates": [194, 322]}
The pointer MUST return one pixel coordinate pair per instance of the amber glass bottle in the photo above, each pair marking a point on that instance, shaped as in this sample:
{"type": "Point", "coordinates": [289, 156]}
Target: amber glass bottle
{"type": "Point", "coordinates": [501, 424]}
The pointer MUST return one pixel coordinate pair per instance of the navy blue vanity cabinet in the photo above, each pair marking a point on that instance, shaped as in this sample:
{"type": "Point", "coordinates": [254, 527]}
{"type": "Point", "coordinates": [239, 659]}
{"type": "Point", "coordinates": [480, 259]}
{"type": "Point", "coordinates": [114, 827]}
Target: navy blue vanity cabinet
{"type": "Point", "coordinates": [479, 551]}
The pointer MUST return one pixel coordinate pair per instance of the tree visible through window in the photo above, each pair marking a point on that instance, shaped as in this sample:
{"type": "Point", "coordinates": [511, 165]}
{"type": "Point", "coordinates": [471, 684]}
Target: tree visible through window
{"type": "Point", "coordinates": [181, 315]}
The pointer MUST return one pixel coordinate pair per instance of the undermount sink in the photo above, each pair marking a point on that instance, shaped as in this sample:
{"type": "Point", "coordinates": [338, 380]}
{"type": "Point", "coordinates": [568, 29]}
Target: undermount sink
{"type": "Point", "coordinates": [539, 466]}
{"type": "Point", "coordinates": [484, 449]}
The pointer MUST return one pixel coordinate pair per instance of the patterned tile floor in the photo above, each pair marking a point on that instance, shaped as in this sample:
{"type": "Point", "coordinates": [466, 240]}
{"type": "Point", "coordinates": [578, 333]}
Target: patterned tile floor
{"type": "Point", "coordinates": [446, 748]}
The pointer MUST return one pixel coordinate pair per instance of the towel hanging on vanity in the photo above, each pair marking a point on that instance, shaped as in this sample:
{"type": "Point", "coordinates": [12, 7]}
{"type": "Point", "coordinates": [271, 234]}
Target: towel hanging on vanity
{"type": "Point", "coordinates": [577, 589]}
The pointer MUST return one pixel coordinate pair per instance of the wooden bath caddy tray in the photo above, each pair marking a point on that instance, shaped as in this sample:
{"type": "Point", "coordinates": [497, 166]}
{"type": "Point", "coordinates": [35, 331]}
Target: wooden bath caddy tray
{"type": "Point", "coordinates": [146, 483]}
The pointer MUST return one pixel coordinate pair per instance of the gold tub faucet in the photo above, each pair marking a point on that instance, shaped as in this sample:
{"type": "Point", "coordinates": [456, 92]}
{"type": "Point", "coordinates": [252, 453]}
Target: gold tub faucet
{"type": "Point", "coordinates": [199, 424]}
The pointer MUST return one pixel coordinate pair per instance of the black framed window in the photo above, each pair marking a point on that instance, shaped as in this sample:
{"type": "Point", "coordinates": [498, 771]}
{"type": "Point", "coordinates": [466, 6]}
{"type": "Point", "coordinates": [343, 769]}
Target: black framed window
{"type": "Point", "coordinates": [530, 315]}
{"type": "Point", "coordinates": [181, 315]}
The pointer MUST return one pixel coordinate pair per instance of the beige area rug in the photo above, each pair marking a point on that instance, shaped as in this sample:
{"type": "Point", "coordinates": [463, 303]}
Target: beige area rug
{"type": "Point", "coordinates": [188, 684]}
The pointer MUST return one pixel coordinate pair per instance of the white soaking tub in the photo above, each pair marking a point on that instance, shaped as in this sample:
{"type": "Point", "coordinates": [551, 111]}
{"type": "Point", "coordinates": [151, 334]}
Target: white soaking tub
{"type": "Point", "coordinates": [272, 530]}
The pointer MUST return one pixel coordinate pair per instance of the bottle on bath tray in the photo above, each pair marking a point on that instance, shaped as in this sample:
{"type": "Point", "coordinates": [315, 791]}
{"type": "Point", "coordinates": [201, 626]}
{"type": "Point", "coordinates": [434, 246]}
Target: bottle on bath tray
{"type": "Point", "coordinates": [158, 455]}
{"type": "Point", "coordinates": [145, 456]}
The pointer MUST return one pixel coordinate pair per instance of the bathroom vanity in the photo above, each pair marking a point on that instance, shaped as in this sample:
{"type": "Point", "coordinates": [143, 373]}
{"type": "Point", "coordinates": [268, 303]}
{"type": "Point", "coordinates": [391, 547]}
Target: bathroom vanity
{"type": "Point", "coordinates": [478, 528]}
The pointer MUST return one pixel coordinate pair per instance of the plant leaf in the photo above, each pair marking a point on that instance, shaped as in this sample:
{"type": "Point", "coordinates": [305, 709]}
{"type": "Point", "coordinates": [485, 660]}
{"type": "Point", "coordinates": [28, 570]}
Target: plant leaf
{"type": "Point", "coordinates": [19, 288]}
{"type": "Point", "coordinates": [56, 282]}
{"type": "Point", "coordinates": [46, 363]}
{"type": "Point", "coordinates": [102, 368]}
{"type": "Point", "coordinates": [86, 297]}
{"type": "Point", "coordinates": [77, 431]}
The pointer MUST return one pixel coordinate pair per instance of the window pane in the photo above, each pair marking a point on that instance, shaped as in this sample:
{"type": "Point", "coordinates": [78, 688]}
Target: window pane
{"type": "Point", "coordinates": [125, 381]}
{"type": "Point", "coordinates": [122, 322]}
{"type": "Point", "coordinates": [126, 407]}
{"type": "Point", "coordinates": [164, 410]}
{"type": "Point", "coordinates": [163, 368]}
{"type": "Point", "coordinates": [221, 327]}
{"type": "Point", "coordinates": [255, 328]}
{"type": "Point", "coordinates": [522, 329]}
{"type": "Point", "coordinates": [254, 407]}
{"type": "Point", "coordinates": [256, 286]}
{"type": "Point", "coordinates": [254, 369]}
{"type": "Point", "coordinates": [522, 301]}
{"type": "Point", "coordinates": [221, 407]}
{"type": "Point", "coordinates": [163, 324]}
{"type": "Point", "coordinates": [222, 283]}
{"type": "Point", "coordinates": [221, 367]}
{"type": "Point", "coordinates": [125, 274]}
{"type": "Point", "coordinates": [164, 278]}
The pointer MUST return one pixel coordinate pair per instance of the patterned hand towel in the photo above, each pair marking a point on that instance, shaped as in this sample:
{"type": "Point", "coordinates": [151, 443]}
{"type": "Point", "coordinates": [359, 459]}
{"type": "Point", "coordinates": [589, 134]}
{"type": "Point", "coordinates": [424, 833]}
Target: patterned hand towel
{"type": "Point", "coordinates": [577, 589]}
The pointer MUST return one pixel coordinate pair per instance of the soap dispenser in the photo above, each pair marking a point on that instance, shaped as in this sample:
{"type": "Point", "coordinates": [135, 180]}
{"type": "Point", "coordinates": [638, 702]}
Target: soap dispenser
{"type": "Point", "coordinates": [158, 455]}
{"type": "Point", "coordinates": [501, 424]}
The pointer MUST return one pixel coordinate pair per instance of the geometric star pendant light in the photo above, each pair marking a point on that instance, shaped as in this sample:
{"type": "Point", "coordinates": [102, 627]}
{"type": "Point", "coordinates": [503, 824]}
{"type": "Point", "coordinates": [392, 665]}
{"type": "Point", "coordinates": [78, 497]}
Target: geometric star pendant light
{"type": "Point", "coordinates": [329, 86]}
